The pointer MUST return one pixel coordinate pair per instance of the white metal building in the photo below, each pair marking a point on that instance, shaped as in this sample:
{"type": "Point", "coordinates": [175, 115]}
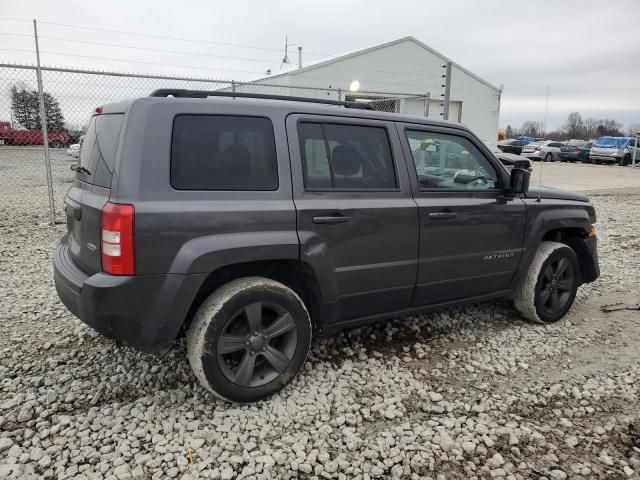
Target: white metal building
{"type": "Point", "coordinates": [404, 67]}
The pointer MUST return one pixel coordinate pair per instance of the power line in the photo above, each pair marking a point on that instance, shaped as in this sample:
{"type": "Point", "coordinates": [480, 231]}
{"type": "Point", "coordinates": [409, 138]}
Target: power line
{"type": "Point", "coordinates": [178, 39]}
{"type": "Point", "coordinates": [142, 62]}
{"type": "Point", "coordinates": [177, 52]}
{"type": "Point", "coordinates": [14, 19]}
{"type": "Point", "coordinates": [329, 56]}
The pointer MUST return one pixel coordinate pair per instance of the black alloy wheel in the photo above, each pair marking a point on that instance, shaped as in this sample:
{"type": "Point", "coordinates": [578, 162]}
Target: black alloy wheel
{"type": "Point", "coordinates": [557, 286]}
{"type": "Point", "coordinates": [257, 344]}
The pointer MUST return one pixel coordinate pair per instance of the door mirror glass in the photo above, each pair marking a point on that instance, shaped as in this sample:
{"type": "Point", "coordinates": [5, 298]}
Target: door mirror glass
{"type": "Point", "coordinates": [519, 182]}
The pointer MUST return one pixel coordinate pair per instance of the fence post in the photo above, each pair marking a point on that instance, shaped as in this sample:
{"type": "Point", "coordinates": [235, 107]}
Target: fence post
{"type": "Point", "coordinates": [427, 103]}
{"type": "Point", "coordinates": [635, 150]}
{"type": "Point", "coordinates": [447, 92]}
{"type": "Point", "coordinates": [45, 134]}
{"type": "Point", "coordinates": [233, 86]}
{"type": "Point", "coordinates": [340, 94]}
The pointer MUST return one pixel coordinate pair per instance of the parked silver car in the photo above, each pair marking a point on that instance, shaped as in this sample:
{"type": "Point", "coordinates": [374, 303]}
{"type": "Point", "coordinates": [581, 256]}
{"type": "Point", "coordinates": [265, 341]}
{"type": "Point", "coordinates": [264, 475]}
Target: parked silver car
{"type": "Point", "coordinates": [618, 150]}
{"type": "Point", "coordinates": [547, 150]}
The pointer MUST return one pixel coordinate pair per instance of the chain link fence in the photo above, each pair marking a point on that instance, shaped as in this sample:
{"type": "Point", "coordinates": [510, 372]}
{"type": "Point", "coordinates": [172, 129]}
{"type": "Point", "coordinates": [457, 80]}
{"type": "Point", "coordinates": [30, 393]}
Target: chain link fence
{"type": "Point", "coordinates": [70, 97]}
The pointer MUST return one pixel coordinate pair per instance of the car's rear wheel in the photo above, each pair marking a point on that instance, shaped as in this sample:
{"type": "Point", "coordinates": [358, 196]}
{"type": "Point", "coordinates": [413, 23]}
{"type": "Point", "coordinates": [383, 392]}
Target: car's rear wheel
{"type": "Point", "coordinates": [249, 339]}
{"type": "Point", "coordinates": [548, 157]}
{"type": "Point", "coordinates": [626, 160]}
{"type": "Point", "coordinates": [56, 144]}
{"type": "Point", "coordinates": [547, 292]}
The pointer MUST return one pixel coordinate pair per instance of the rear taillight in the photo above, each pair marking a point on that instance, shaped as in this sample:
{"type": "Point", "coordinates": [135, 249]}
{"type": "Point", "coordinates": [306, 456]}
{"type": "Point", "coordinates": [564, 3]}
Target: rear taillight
{"type": "Point", "coordinates": [117, 239]}
{"type": "Point", "coordinates": [578, 149]}
{"type": "Point", "coordinates": [538, 149]}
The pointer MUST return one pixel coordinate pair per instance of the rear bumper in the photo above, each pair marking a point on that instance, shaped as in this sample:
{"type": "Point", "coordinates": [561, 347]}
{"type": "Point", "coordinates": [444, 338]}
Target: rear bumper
{"type": "Point", "coordinates": [532, 155]}
{"type": "Point", "coordinates": [603, 158]}
{"type": "Point", "coordinates": [144, 311]}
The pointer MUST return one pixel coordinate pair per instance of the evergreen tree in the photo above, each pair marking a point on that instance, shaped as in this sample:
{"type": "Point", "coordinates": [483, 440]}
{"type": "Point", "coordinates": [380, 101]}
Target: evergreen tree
{"type": "Point", "coordinates": [26, 109]}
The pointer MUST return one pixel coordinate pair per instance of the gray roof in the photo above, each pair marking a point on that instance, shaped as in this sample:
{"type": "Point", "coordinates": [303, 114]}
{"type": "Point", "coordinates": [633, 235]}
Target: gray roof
{"type": "Point", "coordinates": [374, 48]}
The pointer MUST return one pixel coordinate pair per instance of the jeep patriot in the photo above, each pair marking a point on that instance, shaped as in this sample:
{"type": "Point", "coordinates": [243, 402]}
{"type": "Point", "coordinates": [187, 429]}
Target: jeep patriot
{"type": "Point", "coordinates": [249, 225]}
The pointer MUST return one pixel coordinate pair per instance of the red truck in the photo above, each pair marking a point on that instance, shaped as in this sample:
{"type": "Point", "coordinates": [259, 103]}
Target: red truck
{"type": "Point", "coordinates": [10, 136]}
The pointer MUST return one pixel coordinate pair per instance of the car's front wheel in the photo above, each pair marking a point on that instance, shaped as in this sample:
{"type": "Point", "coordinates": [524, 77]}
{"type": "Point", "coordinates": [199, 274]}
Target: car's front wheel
{"type": "Point", "coordinates": [547, 292]}
{"type": "Point", "coordinates": [249, 339]}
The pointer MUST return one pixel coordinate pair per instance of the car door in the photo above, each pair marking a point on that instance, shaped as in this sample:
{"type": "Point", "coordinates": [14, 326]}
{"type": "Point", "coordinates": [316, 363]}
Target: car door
{"type": "Point", "coordinates": [554, 148]}
{"type": "Point", "coordinates": [471, 232]}
{"type": "Point", "coordinates": [357, 220]}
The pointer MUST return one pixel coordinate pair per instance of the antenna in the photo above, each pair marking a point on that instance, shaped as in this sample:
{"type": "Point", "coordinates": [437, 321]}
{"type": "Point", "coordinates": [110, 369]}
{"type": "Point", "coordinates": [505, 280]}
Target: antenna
{"type": "Point", "coordinates": [544, 134]}
{"type": "Point", "coordinates": [285, 59]}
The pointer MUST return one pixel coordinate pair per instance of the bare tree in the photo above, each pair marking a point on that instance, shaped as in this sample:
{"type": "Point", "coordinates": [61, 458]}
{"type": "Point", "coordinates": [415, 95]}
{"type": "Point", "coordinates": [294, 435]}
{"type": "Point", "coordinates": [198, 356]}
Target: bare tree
{"type": "Point", "coordinates": [574, 126]}
{"type": "Point", "coordinates": [509, 132]}
{"type": "Point", "coordinates": [531, 128]}
{"type": "Point", "coordinates": [609, 127]}
{"type": "Point", "coordinates": [590, 127]}
{"type": "Point", "coordinates": [633, 129]}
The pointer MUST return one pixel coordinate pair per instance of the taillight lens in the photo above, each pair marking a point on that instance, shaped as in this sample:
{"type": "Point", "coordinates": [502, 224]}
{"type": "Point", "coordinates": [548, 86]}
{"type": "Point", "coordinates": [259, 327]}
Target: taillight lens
{"type": "Point", "coordinates": [578, 149]}
{"type": "Point", "coordinates": [117, 239]}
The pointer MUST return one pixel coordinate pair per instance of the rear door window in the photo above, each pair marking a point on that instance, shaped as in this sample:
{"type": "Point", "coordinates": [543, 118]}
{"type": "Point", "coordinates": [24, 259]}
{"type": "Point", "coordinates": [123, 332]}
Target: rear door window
{"type": "Point", "coordinates": [222, 152]}
{"type": "Point", "coordinates": [346, 157]}
{"type": "Point", "coordinates": [98, 152]}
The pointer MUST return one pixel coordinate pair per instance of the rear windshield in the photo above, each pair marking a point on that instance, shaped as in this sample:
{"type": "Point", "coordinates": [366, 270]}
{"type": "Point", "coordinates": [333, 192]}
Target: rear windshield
{"type": "Point", "coordinates": [220, 152]}
{"type": "Point", "coordinates": [98, 151]}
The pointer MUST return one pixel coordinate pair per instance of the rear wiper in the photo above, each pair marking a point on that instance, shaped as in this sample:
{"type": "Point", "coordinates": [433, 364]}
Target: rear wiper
{"type": "Point", "coordinates": [80, 169]}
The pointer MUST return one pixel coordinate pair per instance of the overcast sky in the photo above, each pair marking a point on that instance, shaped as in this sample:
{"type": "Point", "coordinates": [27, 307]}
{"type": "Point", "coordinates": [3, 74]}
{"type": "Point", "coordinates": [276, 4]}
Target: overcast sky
{"type": "Point", "coordinates": [587, 52]}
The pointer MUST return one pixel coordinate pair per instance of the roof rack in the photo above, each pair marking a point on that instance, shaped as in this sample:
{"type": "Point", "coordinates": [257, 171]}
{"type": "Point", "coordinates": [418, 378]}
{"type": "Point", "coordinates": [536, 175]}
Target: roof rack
{"type": "Point", "coordinates": [183, 93]}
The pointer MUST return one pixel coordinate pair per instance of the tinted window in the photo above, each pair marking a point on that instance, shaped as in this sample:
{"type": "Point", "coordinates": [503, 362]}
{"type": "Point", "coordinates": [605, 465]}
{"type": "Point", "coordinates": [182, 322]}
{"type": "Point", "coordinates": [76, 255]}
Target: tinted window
{"type": "Point", "coordinates": [98, 152]}
{"type": "Point", "coordinates": [346, 157]}
{"type": "Point", "coordinates": [555, 144]}
{"type": "Point", "coordinates": [449, 161]}
{"type": "Point", "coordinates": [217, 152]}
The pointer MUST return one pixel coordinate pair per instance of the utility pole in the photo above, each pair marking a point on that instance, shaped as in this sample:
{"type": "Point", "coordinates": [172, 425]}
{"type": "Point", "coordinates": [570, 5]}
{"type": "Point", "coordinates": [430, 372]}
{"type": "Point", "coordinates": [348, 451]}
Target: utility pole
{"type": "Point", "coordinates": [299, 57]}
{"type": "Point", "coordinates": [45, 135]}
{"type": "Point", "coordinates": [546, 111]}
{"type": "Point", "coordinates": [447, 91]}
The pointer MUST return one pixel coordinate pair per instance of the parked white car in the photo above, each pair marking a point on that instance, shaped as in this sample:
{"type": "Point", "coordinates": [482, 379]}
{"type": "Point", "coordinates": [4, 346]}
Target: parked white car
{"type": "Point", "coordinates": [74, 150]}
{"type": "Point", "coordinates": [546, 150]}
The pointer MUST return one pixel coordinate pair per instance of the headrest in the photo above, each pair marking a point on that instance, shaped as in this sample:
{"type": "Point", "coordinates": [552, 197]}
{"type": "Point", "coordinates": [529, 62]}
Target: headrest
{"type": "Point", "coordinates": [345, 160]}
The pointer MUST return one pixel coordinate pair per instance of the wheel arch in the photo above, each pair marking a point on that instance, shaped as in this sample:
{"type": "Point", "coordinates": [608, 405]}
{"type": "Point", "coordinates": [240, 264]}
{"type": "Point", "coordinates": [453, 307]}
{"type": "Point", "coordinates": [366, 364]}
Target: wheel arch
{"type": "Point", "coordinates": [295, 274]}
{"type": "Point", "coordinates": [562, 225]}
{"type": "Point", "coordinates": [574, 237]}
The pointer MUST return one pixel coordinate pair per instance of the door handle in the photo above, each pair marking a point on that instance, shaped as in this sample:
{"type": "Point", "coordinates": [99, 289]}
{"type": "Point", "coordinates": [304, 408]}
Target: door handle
{"type": "Point", "coordinates": [442, 215]}
{"type": "Point", "coordinates": [330, 219]}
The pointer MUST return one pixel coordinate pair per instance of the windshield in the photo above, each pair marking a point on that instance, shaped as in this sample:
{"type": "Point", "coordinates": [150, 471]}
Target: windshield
{"type": "Point", "coordinates": [98, 152]}
{"type": "Point", "coordinates": [611, 142]}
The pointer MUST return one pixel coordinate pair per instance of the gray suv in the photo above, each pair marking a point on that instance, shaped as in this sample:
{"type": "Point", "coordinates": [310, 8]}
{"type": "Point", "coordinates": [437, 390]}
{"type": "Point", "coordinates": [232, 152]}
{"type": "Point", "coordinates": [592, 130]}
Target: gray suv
{"type": "Point", "coordinates": [249, 225]}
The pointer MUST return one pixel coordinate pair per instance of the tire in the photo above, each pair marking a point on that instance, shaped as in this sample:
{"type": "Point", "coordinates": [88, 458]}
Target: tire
{"type": "Point", "coordinates": [626, 160]}
{"type": "Point", "coordinates": [529, 298]}
{"type": "Point", "coordinates": [548, 157]}
{"type": "Point", "coordinates": [253, 366]}
{"type": "Point", "coordinates": [56, 144]}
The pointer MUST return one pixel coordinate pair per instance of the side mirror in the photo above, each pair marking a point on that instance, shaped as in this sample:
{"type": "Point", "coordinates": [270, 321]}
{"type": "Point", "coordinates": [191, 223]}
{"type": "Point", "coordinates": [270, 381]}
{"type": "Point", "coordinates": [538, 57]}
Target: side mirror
{"type": "Point", "coordinates": [519, 180]}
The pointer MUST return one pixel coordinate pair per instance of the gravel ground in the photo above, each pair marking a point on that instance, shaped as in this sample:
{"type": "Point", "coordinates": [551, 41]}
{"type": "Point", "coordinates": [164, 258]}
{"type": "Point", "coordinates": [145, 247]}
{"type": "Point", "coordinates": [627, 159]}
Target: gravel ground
{"type": "Point", "coordinates": [464, 393]}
